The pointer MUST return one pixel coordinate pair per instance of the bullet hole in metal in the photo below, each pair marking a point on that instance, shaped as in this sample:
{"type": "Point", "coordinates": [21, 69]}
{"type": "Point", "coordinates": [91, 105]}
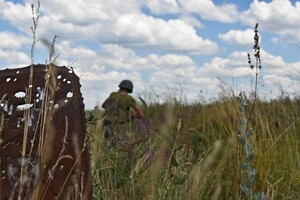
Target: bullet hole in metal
{"type": "Point", "coordinates": [20, 94]}
{"type": "Point", "coordinates": [70, 95]}
{"type": "Point", "coordinates": [6, 107]}
{"type": "Point", "coordinates": [10, 110]}
{"type": "Point", "coordinates": [40, 93]}
{"type": "Point", "coordinates": [56, 106]}
{"type": "Point", "coordinates": [23, 107]}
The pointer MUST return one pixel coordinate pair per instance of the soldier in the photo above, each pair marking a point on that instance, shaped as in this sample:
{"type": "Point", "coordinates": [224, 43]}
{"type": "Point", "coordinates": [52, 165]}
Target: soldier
{"type": "Point", "coordinates": [120, 109]}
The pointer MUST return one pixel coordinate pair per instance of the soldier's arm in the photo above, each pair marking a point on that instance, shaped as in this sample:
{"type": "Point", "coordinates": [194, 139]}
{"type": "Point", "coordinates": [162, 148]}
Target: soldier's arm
{"type": "Point", "coordinates": [105, 103]}
{"type": "Point", "coordinates": [139, 112]}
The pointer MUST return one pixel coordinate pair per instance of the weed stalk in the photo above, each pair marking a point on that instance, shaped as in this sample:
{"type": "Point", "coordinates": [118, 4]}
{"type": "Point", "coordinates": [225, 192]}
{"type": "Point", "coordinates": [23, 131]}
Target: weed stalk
{"type": "Point", "coordinates": [244, 132]}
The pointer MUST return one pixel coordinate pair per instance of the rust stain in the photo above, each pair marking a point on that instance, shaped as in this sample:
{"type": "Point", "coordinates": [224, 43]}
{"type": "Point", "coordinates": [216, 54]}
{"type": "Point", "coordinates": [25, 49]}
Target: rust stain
{"type": "Point", "coordinates": [43, 129]}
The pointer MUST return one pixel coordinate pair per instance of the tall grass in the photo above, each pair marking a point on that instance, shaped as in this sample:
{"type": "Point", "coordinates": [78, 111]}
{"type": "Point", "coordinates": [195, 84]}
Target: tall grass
{"type": "Point", "coordinates": [193, 153]}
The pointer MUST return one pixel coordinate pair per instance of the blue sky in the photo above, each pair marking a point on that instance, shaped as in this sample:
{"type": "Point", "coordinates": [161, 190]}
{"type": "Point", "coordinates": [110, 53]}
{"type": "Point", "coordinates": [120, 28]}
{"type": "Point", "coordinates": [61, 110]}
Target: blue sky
{"type": "Point", "coordinates": [166, 47]}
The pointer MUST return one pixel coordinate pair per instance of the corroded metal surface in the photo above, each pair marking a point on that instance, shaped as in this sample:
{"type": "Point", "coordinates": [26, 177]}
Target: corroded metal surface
{"type": "Point", "coordinates": [43, 140]}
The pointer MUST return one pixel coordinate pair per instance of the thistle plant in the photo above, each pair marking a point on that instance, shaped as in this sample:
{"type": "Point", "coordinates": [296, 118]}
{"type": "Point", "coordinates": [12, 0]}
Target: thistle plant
{"type": "Point", "coordinates": [245, 133]}
{"type": "Point", "coordinates": [257, 67]}
{"type": "Point", "coordinates": [243, 136]}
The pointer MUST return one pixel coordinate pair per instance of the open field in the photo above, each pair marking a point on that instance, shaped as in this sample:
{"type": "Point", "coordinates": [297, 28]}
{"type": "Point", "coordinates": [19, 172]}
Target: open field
{"type": "Point", "coordinates": [192, 152]}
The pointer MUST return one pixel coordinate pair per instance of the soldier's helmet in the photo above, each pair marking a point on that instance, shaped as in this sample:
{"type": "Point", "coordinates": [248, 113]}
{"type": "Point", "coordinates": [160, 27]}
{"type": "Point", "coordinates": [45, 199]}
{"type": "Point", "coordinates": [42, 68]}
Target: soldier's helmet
{"type": "Point", "coordinates": [126, 84]}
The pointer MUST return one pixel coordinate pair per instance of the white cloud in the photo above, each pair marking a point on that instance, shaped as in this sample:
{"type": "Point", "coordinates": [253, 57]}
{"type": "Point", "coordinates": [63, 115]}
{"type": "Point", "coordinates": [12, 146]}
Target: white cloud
{"type": "Point", "coordinates": [112, 22]}
{"type": "Point", "coordinates": [234, 66]}
{"type": "Point", "coordinates": [118, 58]}
{"type": "Point", "coordinates": [208, 10]}
{"type": "Point", "coordinates": [276, 80]}
{"type": "Point", "coordinates": [205, 8]}
{"type": "Point", "coordinates": [210, 82]}
{"type": "Point", "coordinates": [14, 58]}
{"type": "Point", "coordinates": [141, 31]}
{"type": "Point", "coordinates": [163, 6]}
{"type": "Point", "coordinates": [272, 62]}
{"type": "Point", "coordinates": [278, 16]}
{"type": "Point", "coordinates": [9, 41]}
{"type": "Point", "coordinates": [188, 19]}
{"type": "Point", "coordinates": [238, 37]}
{"type": "Point", "coordinates": [89, 11]}
{"type": "Point", "coordinates": [171, 61]}
{"type": "Point", "coordinates": [80, 52]}
{"type": "Point", "coordinates": [17, 14]}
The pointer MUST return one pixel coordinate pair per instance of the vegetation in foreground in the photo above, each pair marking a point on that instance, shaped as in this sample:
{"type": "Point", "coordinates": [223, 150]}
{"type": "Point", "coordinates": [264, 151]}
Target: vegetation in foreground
{"type": "Point", "coordinates": [194, 152]}
{"type": "Point", "coordinates": [200, 151]}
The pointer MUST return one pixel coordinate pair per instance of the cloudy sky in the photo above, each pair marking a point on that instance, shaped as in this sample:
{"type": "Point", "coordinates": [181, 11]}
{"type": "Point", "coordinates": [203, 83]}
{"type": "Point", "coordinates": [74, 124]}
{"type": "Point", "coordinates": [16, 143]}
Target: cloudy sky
{"type": "Point", "coordinates": [189, 48]}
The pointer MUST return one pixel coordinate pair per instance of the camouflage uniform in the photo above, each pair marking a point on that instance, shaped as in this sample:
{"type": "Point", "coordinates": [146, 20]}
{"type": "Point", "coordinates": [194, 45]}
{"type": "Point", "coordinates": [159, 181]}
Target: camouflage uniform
{"type": "Point", "coordinates": [117, 118]}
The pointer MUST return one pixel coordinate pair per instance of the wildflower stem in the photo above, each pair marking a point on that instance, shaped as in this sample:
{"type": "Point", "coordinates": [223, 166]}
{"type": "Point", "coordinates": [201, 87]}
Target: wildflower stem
{"type": "Point", "coordinates": [257, 69]}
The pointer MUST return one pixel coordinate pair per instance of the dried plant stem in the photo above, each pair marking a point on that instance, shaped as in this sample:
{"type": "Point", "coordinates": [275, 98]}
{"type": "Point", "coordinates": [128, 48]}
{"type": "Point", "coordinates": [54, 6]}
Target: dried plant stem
{"type": "Point", "coordinates": [35, 18]}
{"type": "Point", "coordinates": [255, 96]}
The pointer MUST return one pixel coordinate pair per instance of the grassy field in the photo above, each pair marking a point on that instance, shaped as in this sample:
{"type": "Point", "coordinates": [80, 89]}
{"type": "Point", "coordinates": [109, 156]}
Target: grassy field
{"type": "Point", "coordinates": [193, 152]}
{"type": "Point", "coordinates": [199, 151]}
